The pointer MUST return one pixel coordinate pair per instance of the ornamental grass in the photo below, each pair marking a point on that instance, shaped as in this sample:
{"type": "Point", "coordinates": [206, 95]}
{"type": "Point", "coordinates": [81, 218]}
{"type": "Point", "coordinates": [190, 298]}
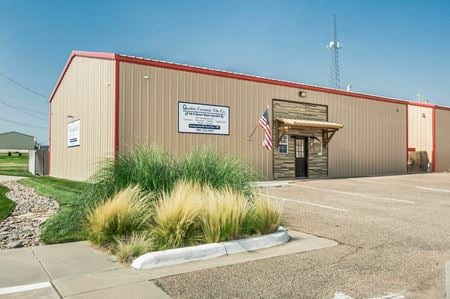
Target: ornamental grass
{"type": "Point", "coordinates": [176, 218]}
{"type": "Point", "coordinates": [123, 214]}
{"type": "Point", "coordinates": [265, 216]}
{"type": "Point", "coordinates": [131, 247]}
{"type": "Point", "coordinates": [223, 214]}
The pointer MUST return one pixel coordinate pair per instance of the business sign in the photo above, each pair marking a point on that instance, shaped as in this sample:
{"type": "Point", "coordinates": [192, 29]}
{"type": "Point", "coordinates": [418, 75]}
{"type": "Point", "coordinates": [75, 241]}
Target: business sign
{"type": "Point", "coordinates": [203, 119]}
{"type": "Point", "coordinates": [73, 133]}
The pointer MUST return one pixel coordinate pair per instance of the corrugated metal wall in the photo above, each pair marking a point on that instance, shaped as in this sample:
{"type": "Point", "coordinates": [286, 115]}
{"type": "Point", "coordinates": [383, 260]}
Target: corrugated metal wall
{"type": "Point", "coordinates": [442, 140]}
{"type": "Point", "coordinates": [420, 131]}
{"type": "Point", "coordinates": [86, 93]}
{"type": "Point", "coordinates": [373, 141]}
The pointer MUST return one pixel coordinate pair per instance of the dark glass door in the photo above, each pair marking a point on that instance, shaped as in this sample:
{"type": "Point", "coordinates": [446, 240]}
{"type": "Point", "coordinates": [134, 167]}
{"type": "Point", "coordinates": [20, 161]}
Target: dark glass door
{"type": "Point", "coordinates": [301, 157]}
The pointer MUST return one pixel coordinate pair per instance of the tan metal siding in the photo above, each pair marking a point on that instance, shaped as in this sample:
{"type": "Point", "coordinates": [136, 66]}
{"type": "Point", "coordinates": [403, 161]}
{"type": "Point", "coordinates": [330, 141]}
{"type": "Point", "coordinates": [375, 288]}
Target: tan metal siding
{"type": "Point", "coordinates": [373, 141]}
{"type": "Point", "coordinates": [420, 133]}
{"type": "Point", "coordinates": [86, 93]}
{"type": "Point", "coordinates": [442, 140]}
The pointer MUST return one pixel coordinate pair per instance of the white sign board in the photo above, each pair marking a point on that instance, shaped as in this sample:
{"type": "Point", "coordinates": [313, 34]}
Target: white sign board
{"type": "Point", "coordinates": [203, 119]}
{"type": "Point", "coordinates": [73, 133]}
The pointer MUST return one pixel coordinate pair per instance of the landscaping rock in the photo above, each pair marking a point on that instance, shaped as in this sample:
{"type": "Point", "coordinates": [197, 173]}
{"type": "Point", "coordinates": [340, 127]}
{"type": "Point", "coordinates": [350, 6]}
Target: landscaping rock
{"type": "Point", "coordinates": [22, 227]}
{"type": "Point", "coordinates": [14, 245]}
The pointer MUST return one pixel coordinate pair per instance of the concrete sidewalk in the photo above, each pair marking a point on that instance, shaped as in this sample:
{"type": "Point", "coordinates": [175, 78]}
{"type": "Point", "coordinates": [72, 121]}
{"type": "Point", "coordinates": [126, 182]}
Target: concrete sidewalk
{"type": "Point", "coordinates": [73, 270]}
{"type": "Point", "coordinates": [76, 270]}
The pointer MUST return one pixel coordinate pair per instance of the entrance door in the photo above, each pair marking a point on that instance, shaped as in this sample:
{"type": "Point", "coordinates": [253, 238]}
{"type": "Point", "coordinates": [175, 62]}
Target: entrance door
{"type": "Point", "coordinates": [301, 157]}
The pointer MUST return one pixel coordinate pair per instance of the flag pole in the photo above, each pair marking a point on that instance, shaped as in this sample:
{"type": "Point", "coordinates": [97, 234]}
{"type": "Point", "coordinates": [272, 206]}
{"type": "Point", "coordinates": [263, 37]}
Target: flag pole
{"type": "Point", "coordinates": [249, 137]}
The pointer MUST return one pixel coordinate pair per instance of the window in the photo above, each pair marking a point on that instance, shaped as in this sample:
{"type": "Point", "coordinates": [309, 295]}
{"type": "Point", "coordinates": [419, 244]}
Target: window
{"type": "Point", "coordinates": [283, 146]}
{"type": "Point", "coordinates": [299, 148]}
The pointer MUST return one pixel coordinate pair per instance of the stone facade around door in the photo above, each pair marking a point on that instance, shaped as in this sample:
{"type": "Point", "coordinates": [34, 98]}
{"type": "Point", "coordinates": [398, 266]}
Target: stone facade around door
{"type": "Point", "coordinates": [284, 164]}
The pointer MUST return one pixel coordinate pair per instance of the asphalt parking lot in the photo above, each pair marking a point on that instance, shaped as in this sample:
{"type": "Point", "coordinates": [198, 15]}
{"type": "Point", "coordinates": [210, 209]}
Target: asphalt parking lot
{"type": "Point", "coordinates": [393, 234]}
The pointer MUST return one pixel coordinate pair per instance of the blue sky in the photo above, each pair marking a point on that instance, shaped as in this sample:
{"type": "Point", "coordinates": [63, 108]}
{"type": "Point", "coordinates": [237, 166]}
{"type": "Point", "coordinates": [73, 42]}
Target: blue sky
{"type": "Point", "coordinates": [391, 48]}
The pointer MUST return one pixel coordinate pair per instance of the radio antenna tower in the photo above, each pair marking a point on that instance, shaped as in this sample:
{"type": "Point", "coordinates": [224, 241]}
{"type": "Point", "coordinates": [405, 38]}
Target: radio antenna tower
{"type": "Point", "coordinates": [334, 45]}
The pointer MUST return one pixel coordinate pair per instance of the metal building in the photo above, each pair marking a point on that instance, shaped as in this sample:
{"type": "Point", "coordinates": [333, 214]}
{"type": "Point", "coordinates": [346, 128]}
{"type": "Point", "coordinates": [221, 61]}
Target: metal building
{"type": "Point", "coordinates": [106, 103]}
{"type": "Point", "coordinates": [16, 142]}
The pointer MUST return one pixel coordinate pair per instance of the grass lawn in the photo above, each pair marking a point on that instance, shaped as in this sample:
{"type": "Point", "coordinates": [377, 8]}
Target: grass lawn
{"type": "Point", "coordinates": [61, 227]}
{"type": "Point", "coordinates": [6, 205]}
{"type": "Point", "coordinates": [14, 165]}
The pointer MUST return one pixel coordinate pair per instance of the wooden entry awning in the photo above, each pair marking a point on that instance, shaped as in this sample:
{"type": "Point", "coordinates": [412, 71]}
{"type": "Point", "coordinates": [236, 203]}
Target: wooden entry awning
{"type": "Point", "coordinates": [287, 125]}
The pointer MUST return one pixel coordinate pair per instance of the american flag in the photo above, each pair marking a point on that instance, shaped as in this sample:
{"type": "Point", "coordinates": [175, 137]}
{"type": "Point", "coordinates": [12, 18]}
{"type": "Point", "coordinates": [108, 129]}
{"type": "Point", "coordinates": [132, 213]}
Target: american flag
{"type": "Point", "coordinates": [265, 125]}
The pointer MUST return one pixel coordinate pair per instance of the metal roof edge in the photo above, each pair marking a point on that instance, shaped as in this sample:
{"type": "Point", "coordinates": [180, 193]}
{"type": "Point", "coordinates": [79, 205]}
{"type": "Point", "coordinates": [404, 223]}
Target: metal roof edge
{"type": "Point", "coordinates": [247, 77]}
{"type": "Point", "coordinates": [4, 133]}
{"type": "Point", "coordinates": [233, 75]}
{"type": "Point", "coordinates": [73, 54]}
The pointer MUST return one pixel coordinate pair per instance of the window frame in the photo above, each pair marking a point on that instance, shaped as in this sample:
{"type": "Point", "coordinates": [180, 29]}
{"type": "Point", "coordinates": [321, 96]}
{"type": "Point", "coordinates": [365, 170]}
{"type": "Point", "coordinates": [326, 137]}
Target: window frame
{"type": "Point", "coordinates": [286, 143]}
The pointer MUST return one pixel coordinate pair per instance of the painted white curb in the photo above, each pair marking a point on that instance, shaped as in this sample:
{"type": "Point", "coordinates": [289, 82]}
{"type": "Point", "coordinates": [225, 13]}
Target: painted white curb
{"type": "Point", "coordinates": [207, 251]}
{"type": "Point", "coordinates": [255, 243]}
{"type": "Point", "coordinates": [178, 256]}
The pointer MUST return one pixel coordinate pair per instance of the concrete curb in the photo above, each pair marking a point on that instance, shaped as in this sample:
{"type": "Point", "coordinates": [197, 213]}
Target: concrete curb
{"type": "Point", "coordinates": [256, 243]}
{"type": "Point", "coordinates": [208, 251]}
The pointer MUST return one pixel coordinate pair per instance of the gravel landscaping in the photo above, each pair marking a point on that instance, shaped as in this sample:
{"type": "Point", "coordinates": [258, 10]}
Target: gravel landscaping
{"type": "Point", "coordinates": [22, 227]}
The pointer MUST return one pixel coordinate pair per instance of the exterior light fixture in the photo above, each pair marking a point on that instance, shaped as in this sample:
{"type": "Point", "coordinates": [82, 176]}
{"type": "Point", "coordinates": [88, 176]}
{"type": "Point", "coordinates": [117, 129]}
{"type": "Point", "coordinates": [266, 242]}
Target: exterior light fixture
{"type": "Point", "coordinates": [424, 115]}
{"type": "Point", "coordinates": [302, 94]}
{"type": "Point", "coordinates": [146, 77]}
{"type": "Point", "coordinates": [70, 116]}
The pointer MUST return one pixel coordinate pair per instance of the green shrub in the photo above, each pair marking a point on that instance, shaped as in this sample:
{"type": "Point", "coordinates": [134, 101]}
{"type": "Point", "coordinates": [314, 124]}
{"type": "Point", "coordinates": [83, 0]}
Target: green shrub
{"type": "Point", "coordinates": [124, 213]}
{"type": "Point", "coordinates": [62, 228]}
{"type": "Point", "coordinates": [157, 172]}
{"type": "Point", "coordinates": [151, 169]}
{"type": "Point", "coordinates": [6, 204]}
{"type": "Point", "coordinates": [175, 223]}
{"type": "Point", "coordinates": [129, 248]}
{"type": "Point", "coordinates": [207, 168]}
{"type": "Point", "coordinates": [223, 214]}
{"type": "Point", "coordinates": [265, 216]}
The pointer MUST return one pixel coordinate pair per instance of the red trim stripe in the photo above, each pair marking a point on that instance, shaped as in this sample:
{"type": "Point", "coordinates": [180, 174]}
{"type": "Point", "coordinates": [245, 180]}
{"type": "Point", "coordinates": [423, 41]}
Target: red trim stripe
{"type": "Point", "coordinates": [407, 137]}
{"type": "Point", "coordinates": [161, 64]}
{"type": "Point", "coordinates": [50, 139]}
{"type": "Point", "coordinates": [433, 152]}
{"type": "Point", "coordinates": [421, 104]}
{"type": "Point", "coordinates": [219, 73]}
{"type": "Point", "coordinates": [116, 108]}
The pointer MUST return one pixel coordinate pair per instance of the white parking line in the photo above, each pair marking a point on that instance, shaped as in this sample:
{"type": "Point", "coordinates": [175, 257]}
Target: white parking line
{"type": "Point", "coordinates": [433, 189]}
{"type": "Point", "coordinates": [361, 180]}
{"type": "Point", "coordinates": [340, 295]}
{"type": "Point", "coordinates": [354, 194]}
{"type": "Point", "coordinates": [305, 203]}
{"type": "Point", "coordinates": [403, 185]}
{"type": "Point", "coordinates": [25, 287]}
{"type": "Point", "coordinates": [447, 280]}
{"type": "Point", "coordinates": [382, 183]}
{"type": "Point", "coordinates": [420, 180]}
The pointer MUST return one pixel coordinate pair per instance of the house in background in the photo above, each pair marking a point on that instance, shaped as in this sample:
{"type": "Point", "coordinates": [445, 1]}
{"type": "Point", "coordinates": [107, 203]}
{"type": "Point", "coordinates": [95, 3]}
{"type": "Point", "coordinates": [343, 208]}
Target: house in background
{"type": "Point", "coordinates": [16, 142]}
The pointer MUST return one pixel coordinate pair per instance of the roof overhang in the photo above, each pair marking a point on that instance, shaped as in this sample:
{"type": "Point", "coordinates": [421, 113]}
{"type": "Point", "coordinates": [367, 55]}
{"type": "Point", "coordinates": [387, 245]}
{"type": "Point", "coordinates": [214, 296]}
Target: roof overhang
{"type": "Point", "coordinates": [289, 126]}
{"type": "Point", "coordinates": [233, 75]}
